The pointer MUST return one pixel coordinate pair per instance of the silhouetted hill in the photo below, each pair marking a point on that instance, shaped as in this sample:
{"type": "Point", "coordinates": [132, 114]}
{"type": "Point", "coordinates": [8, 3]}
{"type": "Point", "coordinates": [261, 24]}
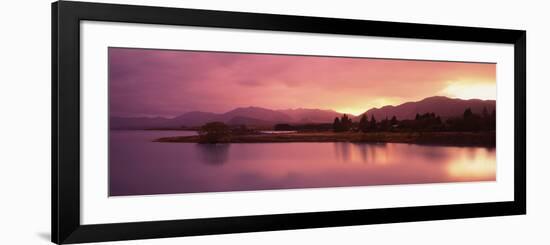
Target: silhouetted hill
{"type": "Point", "coordinates": [256, 113]}
{"type": "Point", "coordinates": [440, 105]}
{"type": "Point", "coordinates": [257, 116]}
{"type": "Point", "coordinates": [239, 120]}
{"type": "Point", "coordinates": [194, 118]}
{"type": "Point", "coordinates": [301, 115]}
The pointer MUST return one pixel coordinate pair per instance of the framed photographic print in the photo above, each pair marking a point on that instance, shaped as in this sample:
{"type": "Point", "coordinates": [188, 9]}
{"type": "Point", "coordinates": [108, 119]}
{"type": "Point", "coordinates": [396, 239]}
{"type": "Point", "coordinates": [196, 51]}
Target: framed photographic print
{"type": "Point", "coordinates": [175, 122]}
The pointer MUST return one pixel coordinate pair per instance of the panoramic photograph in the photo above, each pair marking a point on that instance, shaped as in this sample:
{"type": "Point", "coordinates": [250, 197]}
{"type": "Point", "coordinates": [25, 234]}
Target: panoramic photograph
{"type": "Point", "coordinates": [184, 121]}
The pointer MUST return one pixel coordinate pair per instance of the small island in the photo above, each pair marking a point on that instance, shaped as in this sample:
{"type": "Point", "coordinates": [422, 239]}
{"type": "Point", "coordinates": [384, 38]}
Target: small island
{"type": "Point", "coordinates": [469, 130]}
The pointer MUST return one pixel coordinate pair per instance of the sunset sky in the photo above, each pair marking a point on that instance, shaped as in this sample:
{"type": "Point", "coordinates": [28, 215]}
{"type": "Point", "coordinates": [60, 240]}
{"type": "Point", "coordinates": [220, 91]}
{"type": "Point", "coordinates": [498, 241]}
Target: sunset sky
{"type": "Point", "coordinates": [146, 82]}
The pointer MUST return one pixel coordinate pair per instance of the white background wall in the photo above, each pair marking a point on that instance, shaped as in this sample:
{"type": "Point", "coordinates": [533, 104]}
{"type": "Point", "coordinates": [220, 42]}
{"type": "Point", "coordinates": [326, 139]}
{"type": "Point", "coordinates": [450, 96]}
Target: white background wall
{"type": "Point", "coordinates": [25, 122]}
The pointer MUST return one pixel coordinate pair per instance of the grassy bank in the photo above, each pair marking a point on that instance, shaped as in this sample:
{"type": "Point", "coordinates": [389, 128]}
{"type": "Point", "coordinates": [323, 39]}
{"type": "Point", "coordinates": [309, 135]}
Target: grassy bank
{"type": "Point", "coordinates": [435, 138]}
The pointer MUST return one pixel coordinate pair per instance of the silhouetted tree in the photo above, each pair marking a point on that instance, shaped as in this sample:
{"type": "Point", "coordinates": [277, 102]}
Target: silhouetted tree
{"type": "Point", "coordinates": [214, 132]}
{"type": "Point", "coordinates": [283, 127]}
{"type": "Point", "coordinates": [485, 120]}
{"type": "Point", "coordinates": [345, 122]}
{"type": "Point", "coordinates": [385, 124]}
{"type": "Point", "coordinates": [469, 122]}
{"type": "Point", "coordinates": [372, 124]}
{"type": "Point", "coordinates": [393, 121]}
{"type": "Point", "coordinates": [337, 126]}
{"type": "Point", "coordinates": [468, 113]}
{"type": "Point", "coordinates": [241, 130]}
{"type": "Point", "coordinates": [485, 113]}
{"type": "Point", "coordinates": [472, 122]}
{"type": "Point", "coordinates": [426, 122]}
{"type": "Point", "coordinates": [363, 123]}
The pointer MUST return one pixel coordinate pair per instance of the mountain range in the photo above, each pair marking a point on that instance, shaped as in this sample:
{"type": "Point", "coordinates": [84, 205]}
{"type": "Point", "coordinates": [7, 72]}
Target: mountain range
{"type": "Point", "coordinates": [257, 116]}
{"type": "Point", "coordinates": [440, 105]}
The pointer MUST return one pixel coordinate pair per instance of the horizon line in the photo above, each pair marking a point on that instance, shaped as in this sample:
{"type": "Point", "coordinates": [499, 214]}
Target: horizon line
{"type": "Point", "coordinates": [298, 108]}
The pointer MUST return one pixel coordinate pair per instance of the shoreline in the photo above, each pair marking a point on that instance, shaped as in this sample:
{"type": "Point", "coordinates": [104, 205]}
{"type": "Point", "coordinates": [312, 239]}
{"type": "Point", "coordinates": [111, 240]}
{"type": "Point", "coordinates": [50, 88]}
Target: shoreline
{"type": "Point", "coordinates": [427, 138]}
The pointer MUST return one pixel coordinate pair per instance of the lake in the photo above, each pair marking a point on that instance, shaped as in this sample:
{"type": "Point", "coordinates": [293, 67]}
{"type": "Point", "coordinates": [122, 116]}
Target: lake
{"type": "Point", "coordinates": [138, 166]}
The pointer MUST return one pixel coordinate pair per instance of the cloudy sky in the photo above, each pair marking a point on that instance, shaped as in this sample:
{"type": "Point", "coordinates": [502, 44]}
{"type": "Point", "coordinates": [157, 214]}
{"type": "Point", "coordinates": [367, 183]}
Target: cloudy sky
{"type": "Point", "coordinates": [146, 82]}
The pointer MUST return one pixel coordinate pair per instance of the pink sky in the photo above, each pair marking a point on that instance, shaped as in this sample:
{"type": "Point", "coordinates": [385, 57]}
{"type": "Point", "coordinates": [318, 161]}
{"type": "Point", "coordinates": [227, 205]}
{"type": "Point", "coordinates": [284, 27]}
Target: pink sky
{"type": "Point", "coordinates": [146, 82]}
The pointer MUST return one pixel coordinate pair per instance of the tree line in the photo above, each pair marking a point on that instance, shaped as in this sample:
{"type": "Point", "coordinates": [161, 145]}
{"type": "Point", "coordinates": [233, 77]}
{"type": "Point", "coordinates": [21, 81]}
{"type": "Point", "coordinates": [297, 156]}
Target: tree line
{"type": "Point", "coordinates": [469, 121]}
{"type": "Point", "coordinates": [216, 132]}
{"type": "Point", "coordinates": [428, 122]}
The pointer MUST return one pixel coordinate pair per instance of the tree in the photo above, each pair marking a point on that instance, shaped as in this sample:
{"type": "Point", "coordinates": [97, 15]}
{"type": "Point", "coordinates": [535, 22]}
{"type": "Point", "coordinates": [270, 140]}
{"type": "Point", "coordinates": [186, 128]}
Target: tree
{"type": "Point", "coordinates": [363, 123]}
{"type": "Point", "coordinates": [283, 127]}
{"type": "Point", "coordinates": [345, 122]}
{"type": "Point", "coordinates": [337, 126]}
{"type": "Point", "coordinates": [485, 119]}
{"type": "Point", "coordinates": [214, 132]}
{"type": "Point", "coordinates": [485, 113]}
{"type": "Point", "coordinates": [240, 130]}
{"type": "Point", "coordinates": [372, 124]}
{"type": "Point", "coordinates": [393, 120]}
{"type": "Point", "coordinates": [438, 120]}
{"type": "Point", "coordinates": [468, 113]}
{"type": "Point", "coordinates": [471, 121]}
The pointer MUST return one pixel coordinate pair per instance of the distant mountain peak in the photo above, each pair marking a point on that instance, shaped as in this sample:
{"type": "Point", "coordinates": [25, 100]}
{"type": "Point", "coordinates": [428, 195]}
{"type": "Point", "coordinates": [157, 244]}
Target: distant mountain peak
{"type": "Point", "coordinates": [436, 97]}
{"type": "Point", "coordinates": [246, 108]}
{"type": "Point", "coordinates": [253, 115]}
{"type": "Point", "coordinates": [441, 97]}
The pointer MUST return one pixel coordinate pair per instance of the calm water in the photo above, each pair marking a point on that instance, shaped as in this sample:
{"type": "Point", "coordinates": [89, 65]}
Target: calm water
{"type": "Point", "coordinates": [139, 166]}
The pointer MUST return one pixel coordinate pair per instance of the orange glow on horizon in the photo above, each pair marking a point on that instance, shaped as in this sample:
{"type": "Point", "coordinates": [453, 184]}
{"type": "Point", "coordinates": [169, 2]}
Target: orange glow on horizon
{"type": "Point", "coordinates": [479, 90]}
{"type": "Point", "coordinates": [360, 107]}
{"type": "Point", "coordinates": [171, 82]}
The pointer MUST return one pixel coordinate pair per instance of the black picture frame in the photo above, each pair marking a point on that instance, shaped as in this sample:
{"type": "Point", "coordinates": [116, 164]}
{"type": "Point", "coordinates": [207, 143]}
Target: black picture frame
{"type": "Point", "coordinates": [66, 225]}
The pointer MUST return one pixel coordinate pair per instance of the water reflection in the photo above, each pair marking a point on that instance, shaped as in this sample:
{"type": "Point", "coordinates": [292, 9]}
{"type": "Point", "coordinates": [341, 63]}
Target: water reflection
{"type": "Point", "coordinates": [139, 166]}
{"type": "Point", "coordinates": [472, 164]}
{"type": "Point", "coordinates": [379, 153]}
{"type": "Point", "coordinates": [213, 154]}
{"type": "Point", "coordinates": [342, 151]}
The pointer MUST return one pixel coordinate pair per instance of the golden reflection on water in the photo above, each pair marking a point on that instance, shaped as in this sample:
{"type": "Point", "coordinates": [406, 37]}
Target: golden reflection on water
{"type": "Point", "coordinates": [363, 153]}
{"type": "Point", "coordinates": [458, 163]}
{"type": "Point", "coordinates": [478, 163]}
{"type": "Point", "coordinates": [145, 167]}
